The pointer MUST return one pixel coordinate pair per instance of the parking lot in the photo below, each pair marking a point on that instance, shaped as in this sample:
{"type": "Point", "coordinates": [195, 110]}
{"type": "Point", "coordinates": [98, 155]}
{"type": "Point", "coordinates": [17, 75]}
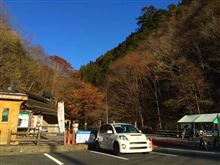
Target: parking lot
{"type": "Point", "coordinates": [97, 158]}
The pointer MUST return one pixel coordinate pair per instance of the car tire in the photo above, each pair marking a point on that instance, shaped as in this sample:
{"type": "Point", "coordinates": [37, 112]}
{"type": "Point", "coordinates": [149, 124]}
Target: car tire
{"type": "Point", "coordinates": [97, 146]}
{"type": "Point", "coordinates": [116, 149]}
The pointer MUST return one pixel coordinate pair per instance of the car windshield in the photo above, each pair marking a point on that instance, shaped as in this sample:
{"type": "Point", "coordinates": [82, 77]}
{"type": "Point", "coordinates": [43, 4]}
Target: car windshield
{"type": "Point", "coordinates": [125, 128]}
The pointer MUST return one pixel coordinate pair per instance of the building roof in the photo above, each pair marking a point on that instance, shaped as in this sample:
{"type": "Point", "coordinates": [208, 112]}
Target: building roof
{"type": "Point", "coordinates": [200, 118]}
{"type": "Point", "coordinates": [42, 107]}
{"type": "Point", "coordinates": [206, 118]}
{"type": "Point", "coordinates": [188, 118]}
{"type": "Point", "coordinates": [12, 93]}
{"type": "Point", "coordinates": [37, 104]}
{"type": "Point", "coordinates": [6, 95]}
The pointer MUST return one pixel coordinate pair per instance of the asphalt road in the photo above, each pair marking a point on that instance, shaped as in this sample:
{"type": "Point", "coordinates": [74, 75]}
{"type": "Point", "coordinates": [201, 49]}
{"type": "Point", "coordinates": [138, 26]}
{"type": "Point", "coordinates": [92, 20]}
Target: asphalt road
{"type": "Point", "coordinates": [159, 157]}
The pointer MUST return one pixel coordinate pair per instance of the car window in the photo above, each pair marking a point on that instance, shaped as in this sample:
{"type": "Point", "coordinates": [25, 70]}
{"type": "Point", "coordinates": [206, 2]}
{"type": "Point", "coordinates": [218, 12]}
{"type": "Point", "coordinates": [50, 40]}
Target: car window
{"type": "Point", "coordinates": [125, 128]}
{"type": "Point", "coordinates": [109, 128]}
{"type": "Point", "coordinates": [119, 129]}
{"type": "Point", "coordinates": [103, 129]}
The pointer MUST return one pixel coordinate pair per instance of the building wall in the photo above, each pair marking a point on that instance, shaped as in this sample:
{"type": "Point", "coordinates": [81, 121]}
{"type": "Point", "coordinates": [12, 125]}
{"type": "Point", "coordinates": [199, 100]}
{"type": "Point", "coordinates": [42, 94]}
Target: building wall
{"type": "Point", "coordinates": [50, 122]}
{"type": "Point", "coordinates": [11, 124]}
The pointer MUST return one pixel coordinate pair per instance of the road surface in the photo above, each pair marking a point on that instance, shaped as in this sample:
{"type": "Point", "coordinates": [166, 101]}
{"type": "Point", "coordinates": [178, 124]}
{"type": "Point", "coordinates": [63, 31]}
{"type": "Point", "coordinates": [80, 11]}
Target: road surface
{"type": "Point", "coordinates": [159, 157]}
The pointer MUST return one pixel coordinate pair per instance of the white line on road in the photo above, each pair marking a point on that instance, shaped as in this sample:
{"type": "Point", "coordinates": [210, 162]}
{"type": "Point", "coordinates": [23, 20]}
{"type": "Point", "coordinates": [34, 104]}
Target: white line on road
{"type": "Point", "coordinates": [54, 159]}
{"type": "Point", "coordinates": [158, 153]}
{"type": "Point", "coordinates": [109, 155]}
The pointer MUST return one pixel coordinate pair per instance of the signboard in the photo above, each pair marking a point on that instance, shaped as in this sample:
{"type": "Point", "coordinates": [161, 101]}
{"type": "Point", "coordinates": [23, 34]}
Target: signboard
{"type": "Point", "coordinates": [85, 137]}
{"type": "Point", "coordinates": [23, 120]}
{"type": "Point", "coordinates": [36, 121]}
{"type": "Point", "coordinates": [60, 116]}
{"type": "Point", "coordinates": [33, 121]}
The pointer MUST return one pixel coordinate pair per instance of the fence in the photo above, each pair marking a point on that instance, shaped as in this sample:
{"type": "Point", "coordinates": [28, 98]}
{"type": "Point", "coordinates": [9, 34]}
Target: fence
{"type": "Point", "coordinates": [35, 137]}
{"type": "Point", "coordinates": [168, 133]}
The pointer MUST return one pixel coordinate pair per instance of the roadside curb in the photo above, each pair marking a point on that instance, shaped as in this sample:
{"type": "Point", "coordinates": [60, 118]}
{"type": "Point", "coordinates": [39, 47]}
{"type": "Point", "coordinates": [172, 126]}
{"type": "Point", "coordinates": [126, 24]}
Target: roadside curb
{"type": "Point", "coordinates": [22, 149]}
{"type": "Point", "coordinates": [187, 151]}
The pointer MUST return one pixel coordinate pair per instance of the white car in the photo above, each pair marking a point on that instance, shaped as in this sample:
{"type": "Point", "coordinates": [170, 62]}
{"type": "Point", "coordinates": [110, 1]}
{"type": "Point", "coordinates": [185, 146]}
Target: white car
{"type": "Point", "coordinates": [122, 138]}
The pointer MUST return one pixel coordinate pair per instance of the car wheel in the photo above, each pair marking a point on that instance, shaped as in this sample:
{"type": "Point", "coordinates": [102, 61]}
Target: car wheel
{"type": "Point", "coordinates": [97, 146]}
{"type": "Point", "coordinates": [116, 148]}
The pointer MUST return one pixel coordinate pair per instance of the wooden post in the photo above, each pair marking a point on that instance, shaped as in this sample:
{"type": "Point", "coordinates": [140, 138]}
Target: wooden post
{"type": "Point", "coordinates": [9, 137]}
{"type": "Point", "coordinates": [74, 137]}
{"type": "Point", "coordinates": [68, 137]}
{"type": "Point", "coordinates": [38, 137]}
{"type": "Point", "coordinates": [64, 137]}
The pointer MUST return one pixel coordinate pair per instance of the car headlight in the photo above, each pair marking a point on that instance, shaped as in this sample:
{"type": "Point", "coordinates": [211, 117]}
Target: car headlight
{"type": "Point", "coordinates": [147, 137]}
{"type": "Point", "coordinates": [123, 137]}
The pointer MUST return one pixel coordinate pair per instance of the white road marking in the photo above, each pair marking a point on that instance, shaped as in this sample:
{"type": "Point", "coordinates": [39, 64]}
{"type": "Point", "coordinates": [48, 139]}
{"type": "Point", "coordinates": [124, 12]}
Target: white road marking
{"type": "Point", "coordinates": [158, 153]}
{"type": "Point", "coordinates": [118, 157]}
{"type": "Point", "coordinates": [54, 159]}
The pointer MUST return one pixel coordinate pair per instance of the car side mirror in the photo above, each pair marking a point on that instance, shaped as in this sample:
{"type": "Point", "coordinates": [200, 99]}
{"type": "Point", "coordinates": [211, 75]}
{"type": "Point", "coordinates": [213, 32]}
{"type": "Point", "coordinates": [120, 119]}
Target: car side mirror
{"type": "Point", "coordinates": [109, 132]}
{"type": "Point", "coordinates": [140, 131]}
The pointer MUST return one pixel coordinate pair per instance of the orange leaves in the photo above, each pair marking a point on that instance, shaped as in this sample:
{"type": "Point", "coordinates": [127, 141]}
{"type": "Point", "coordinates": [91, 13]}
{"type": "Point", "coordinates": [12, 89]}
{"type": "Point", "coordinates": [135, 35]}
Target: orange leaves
{"type": "Point", "coordinates": [61, 65]}
{"type": "Point", "coordinates": [83, 99]}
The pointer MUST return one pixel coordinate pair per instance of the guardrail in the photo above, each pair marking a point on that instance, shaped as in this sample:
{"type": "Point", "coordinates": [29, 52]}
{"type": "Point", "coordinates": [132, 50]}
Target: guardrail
{"type": "Point", "coordinates": [168, 133]}
{"type": "Point", "coordinates": [35, 137]}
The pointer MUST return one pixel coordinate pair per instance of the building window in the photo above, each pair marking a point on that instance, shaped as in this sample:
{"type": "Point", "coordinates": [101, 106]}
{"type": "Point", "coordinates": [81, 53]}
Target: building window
{"type": "Point", "coordinates": [5, 114]}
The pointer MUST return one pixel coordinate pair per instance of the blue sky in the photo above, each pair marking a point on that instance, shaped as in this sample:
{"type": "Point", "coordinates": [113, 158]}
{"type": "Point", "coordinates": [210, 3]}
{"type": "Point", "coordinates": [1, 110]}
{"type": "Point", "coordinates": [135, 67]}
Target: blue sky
{"type": "Point", "coordinates": [78, 30]}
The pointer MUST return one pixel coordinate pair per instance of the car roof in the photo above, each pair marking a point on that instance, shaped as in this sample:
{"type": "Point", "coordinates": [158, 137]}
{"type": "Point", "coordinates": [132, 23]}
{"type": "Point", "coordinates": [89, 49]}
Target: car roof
{"type": "Point", "coordinates": [112, 124]}
{"type": "Point", "coordinates": [120, 124]}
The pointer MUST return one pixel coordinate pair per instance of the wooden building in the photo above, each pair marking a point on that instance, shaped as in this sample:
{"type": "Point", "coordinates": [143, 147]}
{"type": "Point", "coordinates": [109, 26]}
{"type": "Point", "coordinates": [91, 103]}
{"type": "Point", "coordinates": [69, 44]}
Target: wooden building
{"type": "Point", "coordinates": [40, 106]}
{"type": "Point", "coordinates": [43, 107]}
{"type": "Point", "coordinates": [10, 104]}
{"type": "Point", "coordinates": [18, 110]}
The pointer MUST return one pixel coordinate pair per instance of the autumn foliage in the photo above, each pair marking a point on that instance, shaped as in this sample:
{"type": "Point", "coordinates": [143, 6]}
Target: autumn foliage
{"type": "Point", "coordinates": [84, 102]}
{"type": "Point", "coordinates": [169, 67]}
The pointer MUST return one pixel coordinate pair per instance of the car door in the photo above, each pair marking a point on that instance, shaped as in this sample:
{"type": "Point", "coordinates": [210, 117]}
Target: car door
{"type": "Point", "coordinates": [106, 136]}
{"type": "Point", "coordinates": [109, 138]}
{"type": "Point", "coordinates": [102, 136]}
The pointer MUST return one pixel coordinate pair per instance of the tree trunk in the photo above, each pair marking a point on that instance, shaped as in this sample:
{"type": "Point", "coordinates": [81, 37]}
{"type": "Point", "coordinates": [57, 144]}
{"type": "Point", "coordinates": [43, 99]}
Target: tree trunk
{"type": "Point", "coordinates": [32, 83]}
{"type": "Point", "coordinates": [106, 104]}
{"type": "Point", "coordinates": [197, 100]}
{"type": "Point", "coordinates": [142, 119]}
{"type": "Point", "coordinates": [155, 91]}
{"type": "Point", "coordinates": [158, 113]}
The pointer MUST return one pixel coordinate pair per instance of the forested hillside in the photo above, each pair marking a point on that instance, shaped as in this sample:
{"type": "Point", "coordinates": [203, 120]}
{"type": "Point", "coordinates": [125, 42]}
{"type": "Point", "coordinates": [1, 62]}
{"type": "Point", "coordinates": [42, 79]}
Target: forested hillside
{"type": "Point", "coordinates": [28, 68]}
{"type": "Point", "coordinates": [169, 67]}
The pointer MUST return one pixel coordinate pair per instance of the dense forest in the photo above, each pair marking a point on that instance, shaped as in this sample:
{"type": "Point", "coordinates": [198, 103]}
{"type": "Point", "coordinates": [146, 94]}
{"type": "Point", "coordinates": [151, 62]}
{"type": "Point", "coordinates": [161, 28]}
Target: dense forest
{"type": "Point", "coordinates": [168, 67]}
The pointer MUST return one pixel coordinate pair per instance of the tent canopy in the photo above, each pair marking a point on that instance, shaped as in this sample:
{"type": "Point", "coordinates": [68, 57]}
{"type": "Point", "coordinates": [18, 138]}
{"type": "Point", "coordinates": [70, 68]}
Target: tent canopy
{"type": "Point", "coordinates": [200, 118]}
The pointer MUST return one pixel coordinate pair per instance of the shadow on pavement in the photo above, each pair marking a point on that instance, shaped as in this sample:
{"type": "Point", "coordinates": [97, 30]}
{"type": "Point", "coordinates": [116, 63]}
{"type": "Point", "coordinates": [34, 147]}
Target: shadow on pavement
{"type": "Point", "coordinates": [69, 158]}
{"type": "Point", "coordinates": [192, 153]}
{"type": "Point", "coordinates": [91, 147]}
